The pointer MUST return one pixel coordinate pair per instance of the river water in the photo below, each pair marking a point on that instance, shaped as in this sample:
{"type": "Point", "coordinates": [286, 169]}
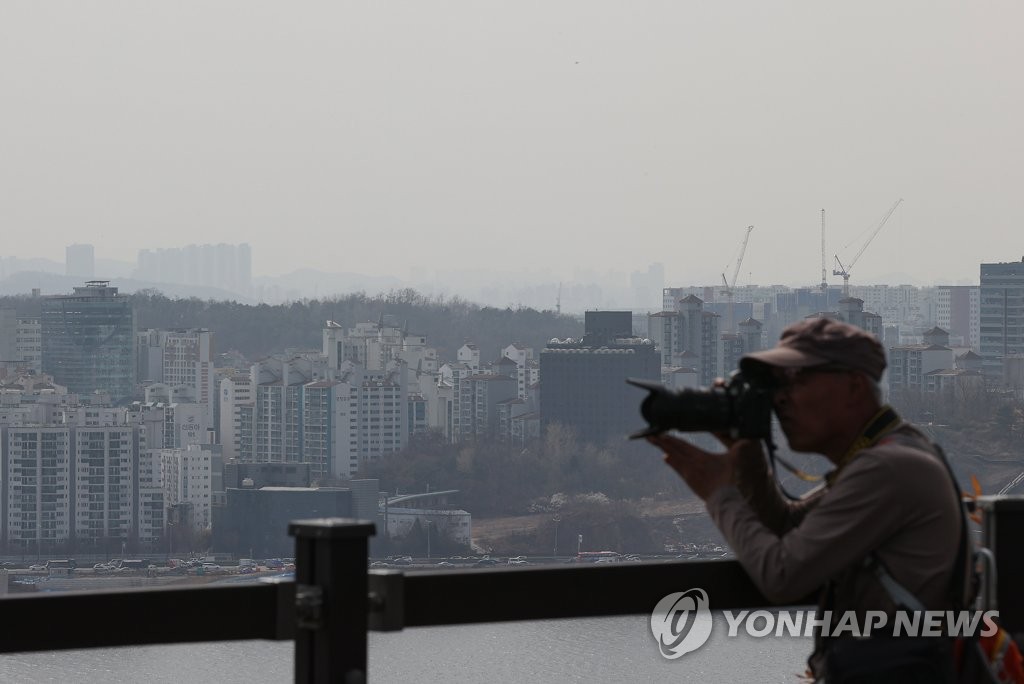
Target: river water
{"type": "Point", "coordinates": [615, 649]}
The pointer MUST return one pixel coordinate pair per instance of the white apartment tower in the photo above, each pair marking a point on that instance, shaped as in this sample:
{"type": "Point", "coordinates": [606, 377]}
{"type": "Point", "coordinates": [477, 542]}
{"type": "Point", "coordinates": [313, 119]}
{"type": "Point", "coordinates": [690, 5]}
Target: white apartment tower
{"type": "Point", "coordinates": [236, 398]}
{"type": "Point", "coordinates": [958, 310]}
{"type": "Point", "coordinates": [103, 483]}
{"type": "Point", "coordinates": [527, 368]}
{"type": "Point", "coordinates": [277, 420]}
{"type": "Point", "coordinates": [374, 420]}
{"type": "Point", "coordinates": [187, 477]}
{"type": "Point", "coordinates": [179, 358]}
{"type": "Point", "coordinates": [37, 499]}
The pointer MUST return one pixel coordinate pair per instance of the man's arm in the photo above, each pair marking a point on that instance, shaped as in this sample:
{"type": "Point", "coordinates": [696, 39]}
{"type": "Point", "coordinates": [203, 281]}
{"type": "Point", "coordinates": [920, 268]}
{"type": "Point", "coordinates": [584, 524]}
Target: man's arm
{"type": "Point", "coordinates": [744, 465]}
{"type": "Point", "coordinates": [759, 487]}
{"type": "Point", "coordinates": [858, 514]}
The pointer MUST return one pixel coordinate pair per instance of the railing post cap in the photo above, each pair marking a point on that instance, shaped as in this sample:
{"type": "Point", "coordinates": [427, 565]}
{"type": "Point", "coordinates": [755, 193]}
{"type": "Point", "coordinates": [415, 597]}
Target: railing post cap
{"type": "Point", "coordinates": [1005, 503]}
{"type": "Point", "coordinates": [332, 528]}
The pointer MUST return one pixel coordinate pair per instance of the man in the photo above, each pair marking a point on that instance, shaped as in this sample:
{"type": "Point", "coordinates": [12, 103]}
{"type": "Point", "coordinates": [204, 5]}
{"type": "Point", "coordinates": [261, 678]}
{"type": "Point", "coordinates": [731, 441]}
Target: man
{"type": "Point", "coordinates": [889, 497]}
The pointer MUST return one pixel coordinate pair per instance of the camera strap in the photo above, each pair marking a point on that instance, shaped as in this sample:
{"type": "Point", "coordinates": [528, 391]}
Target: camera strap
{"type": "Point", "coordinates": [884, 422]}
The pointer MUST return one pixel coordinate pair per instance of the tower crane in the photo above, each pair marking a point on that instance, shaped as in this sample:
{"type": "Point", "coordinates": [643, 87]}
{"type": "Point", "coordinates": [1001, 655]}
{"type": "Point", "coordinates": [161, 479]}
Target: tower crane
{"type": "Point", "coordinates": [824, 279]}
{"type": "Point", "coordinates": [845, 270]}
{"type": "Point", "coordinates": [730, 286]}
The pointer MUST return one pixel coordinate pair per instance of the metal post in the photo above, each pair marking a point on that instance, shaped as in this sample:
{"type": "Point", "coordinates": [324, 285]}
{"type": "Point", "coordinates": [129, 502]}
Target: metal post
{"type": "Point", "coordinates": [331, 602]}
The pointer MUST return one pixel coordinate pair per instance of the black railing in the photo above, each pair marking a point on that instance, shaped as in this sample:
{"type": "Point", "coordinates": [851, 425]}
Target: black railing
{"type": "Point", "coordinates": [335, 600]}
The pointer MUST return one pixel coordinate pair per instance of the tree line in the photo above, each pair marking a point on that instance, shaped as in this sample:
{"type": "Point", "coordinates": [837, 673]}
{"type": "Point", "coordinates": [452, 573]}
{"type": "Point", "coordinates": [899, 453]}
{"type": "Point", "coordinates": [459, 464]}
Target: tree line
{"type": "Point", "coordinates": [498, 479]}
{"type": "Point", "coordinates": [257, 331]}
{"type": "Point", "coordinates": [583, 488]}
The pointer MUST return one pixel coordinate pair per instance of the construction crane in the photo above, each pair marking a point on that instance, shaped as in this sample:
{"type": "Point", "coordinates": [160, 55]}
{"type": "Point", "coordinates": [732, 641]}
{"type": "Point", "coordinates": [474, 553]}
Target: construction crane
{"type": "Point", "coordinates": [845, 270]}
{"type": "Point", "coordinates": [730, 286]}
{"type": "Point", "coordinates": [824, 278]}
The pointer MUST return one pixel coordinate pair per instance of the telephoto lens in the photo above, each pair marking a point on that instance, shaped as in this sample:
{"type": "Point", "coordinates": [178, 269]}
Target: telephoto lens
{"type": "Point", "coordinates": [738, 409]}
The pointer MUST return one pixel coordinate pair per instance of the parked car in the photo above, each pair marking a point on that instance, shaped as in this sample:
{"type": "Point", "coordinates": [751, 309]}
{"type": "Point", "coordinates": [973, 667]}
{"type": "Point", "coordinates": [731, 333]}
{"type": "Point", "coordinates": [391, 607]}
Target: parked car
{"type": "Point", "coordinates": [36, 567]}
{"type": "Point", "coordinates": [485, 562]}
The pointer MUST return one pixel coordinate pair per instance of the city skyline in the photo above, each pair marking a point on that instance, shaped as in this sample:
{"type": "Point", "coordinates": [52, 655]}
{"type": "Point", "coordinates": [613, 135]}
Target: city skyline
{"type": "Point", "coordinates": [403, 143]}
{"type": "Point", "coordinates": [198, 276]}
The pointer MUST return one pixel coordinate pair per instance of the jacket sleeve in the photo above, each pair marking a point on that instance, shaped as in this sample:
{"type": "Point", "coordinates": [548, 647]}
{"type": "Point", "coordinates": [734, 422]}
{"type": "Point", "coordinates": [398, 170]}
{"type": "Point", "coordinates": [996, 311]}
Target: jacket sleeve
{"type": "Point", "coordinates": [759, 487]}
{"type": "Point", "coordinates": [853, 518]}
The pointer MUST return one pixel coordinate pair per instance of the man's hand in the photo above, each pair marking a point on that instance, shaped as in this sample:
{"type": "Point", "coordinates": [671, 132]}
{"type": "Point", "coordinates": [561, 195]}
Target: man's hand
{"type": "Point", "coordinates": [703, 471]}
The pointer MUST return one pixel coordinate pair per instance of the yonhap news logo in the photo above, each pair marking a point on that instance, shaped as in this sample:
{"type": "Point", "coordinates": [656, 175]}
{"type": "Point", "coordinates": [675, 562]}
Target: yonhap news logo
{"type": "Point", "coordinates": [681, 622]}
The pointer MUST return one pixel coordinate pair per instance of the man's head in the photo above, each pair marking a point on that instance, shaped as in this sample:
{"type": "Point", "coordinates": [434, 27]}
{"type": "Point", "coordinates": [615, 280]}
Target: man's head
{"type": "Point", "coordinates": [825, 375]}
{"type": "Point", "coordinates": [820, 342]}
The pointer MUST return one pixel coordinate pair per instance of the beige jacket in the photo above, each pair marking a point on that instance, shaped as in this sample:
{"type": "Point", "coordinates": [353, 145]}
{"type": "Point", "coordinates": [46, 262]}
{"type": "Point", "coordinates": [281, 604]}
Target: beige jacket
{"type": "Point", "coordinates": [895, 498]}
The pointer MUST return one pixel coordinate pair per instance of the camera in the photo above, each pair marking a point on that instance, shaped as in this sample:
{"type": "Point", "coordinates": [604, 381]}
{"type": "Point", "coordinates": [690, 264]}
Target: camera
{"type": "Point", "coordinates": [739, 409]}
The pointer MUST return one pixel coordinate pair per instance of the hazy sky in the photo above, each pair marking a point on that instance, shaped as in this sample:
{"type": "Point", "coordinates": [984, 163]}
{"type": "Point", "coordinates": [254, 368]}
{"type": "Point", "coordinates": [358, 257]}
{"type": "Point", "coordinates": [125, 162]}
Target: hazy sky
{"type": "Point", "coordinates": [378, 137]}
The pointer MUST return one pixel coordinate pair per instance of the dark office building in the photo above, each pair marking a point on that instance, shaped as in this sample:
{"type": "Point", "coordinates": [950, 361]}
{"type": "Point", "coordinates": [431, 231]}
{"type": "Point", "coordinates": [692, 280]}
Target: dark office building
{"type": "Point", "coordinates": [601, 327]}
{"type": "Point", "coordinates": [265, 475]}
{"type": "Point", "coordinates": [584, 386]}
{"type": "Point", "coordinates": [253, 523]}
{"type": "Point", "coordinates": [88, 341]}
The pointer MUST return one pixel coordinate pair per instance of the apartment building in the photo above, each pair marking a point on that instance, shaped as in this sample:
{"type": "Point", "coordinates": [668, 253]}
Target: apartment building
{"type": "Point", "coordinates": [223, 266]}
{"type": "Point", "coordinates": [527, 368]}
{"type": "Point", "coordinates": [277, 428]}
{"type": "Point", "coordinates": [236, 397]}
{"type": "Point", "coordinates": [372, 412]}
{"type": "Point", "coordinates": [958, 310]}
{"type": "Point", "coordinates": [187, 477]}
{"type": "Point", "coordinates": [689, 336]}
{"type": "Point", "coordinates": [38, 495]}
{"type": "Point", "coordinates": [179, 358]}
{"type": "Point", "coordinates": [80, 261]}
{"type": "Point", "coordinates": [103, 483]}
{"type": "Point", "coordinates": [69, 484]}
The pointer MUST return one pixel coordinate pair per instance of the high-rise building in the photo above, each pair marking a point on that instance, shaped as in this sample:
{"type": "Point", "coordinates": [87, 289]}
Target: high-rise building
{"type": "Point", "coordinates": [188, 478]}
{"type": "Point", "coordinates": [73, 482]}
{"type": "Point", "coordinates": [688, 336]}
{"type": "Point", "coordinates": [36, 515]}
{"type": "Point", "coordinates": [227, 267]}
{"type": "Point", "coordinates": [179, 358]}
{"type": "Point", "coordinates": [372, 415]}
{"type": "Point", "coordinates": [584, 387]}
{"type": "Point", "coordinates": [236, 399]}
{"type": "Point", "coordinates": [1001, 315]}
{"type": "Point", "coordinates": [80, 261]}
{"type": "Point", "coordinates": [88, 341]}
{"type": "Point", "coordinates": [20, 345]}
{"type": "Point", "coordinates": [958, 311]}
